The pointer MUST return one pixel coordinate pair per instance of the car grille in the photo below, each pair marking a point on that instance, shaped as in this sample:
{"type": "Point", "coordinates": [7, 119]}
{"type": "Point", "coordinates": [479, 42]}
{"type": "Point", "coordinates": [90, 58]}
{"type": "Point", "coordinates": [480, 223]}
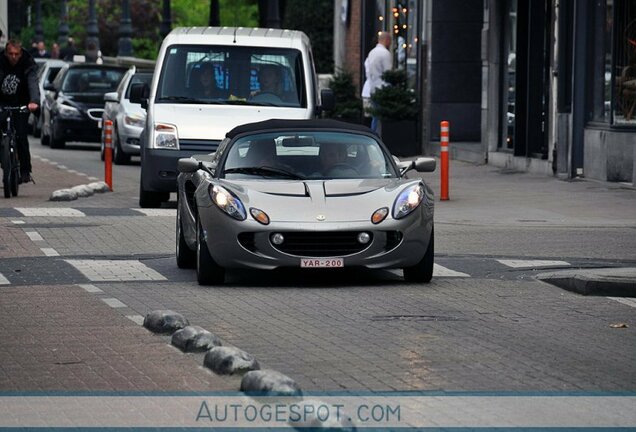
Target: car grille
{"type": "Point", "coordinates": [203, 146]}
{"type": "Point", "coordinates": [321, 244]}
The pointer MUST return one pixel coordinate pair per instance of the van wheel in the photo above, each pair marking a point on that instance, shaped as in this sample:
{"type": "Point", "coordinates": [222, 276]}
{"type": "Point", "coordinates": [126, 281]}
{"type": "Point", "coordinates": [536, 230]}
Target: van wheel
{"type": "Point", "coordinates": [149, 199]}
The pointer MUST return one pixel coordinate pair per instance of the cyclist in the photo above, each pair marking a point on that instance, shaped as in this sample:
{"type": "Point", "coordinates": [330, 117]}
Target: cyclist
{"type": "Point", "coordinates": [18, 87]}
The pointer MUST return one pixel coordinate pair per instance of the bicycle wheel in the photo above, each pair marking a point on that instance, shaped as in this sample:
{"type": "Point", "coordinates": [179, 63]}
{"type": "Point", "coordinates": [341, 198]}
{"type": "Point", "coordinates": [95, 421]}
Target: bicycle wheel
{"type": "Point", "coordinates": [5, 160]}
{"type": "Point", "coordinates": [14, 176]}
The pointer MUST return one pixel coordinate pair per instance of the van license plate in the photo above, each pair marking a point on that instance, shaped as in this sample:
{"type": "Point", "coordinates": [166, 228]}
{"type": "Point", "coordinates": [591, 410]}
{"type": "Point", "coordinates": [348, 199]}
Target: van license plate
{"type": "Point", "coordinates": [321, 262]}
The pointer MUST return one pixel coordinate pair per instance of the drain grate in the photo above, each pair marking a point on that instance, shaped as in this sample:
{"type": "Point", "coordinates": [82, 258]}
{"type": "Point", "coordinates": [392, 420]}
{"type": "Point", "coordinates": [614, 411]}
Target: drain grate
{"type": "Point", "coordinates": [415, 318]}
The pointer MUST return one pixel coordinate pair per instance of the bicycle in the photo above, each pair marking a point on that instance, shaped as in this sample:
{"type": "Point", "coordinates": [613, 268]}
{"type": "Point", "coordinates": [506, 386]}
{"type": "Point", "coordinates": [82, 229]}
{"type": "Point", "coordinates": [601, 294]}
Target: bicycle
{"type": "Point", "coordinates": [9, 152]}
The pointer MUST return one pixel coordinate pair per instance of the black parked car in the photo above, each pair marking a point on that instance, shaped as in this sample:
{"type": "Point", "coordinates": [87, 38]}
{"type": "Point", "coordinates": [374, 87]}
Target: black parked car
{"type": "Point", "coordinates": [74, 103]}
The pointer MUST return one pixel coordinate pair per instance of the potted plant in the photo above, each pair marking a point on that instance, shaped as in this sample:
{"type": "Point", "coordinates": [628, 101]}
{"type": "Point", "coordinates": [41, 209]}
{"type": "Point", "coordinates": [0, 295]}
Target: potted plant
{"type": "Point", "coordinates": [348, 105]}
{"type": "Point", "coordinates": [395, 105]}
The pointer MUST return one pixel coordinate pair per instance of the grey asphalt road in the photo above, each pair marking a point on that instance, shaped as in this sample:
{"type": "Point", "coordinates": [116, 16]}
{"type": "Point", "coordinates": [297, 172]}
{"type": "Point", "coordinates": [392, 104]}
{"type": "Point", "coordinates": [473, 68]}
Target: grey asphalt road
{"type": "Point", "coordinates": [483, 323]}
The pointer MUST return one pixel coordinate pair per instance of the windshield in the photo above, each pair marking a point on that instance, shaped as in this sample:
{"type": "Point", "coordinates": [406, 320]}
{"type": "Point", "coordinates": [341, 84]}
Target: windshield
{"type": "Point", "coordinates": [214, 74]}
{"type": "Point", "coordinates": [307, 155]}
{"type": "Point", "coordinates": [84, 80]}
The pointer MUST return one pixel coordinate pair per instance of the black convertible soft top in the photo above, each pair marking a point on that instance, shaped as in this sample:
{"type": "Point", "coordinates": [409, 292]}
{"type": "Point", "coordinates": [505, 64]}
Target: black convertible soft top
{"type": "Point", "coordinates": [297, 124]}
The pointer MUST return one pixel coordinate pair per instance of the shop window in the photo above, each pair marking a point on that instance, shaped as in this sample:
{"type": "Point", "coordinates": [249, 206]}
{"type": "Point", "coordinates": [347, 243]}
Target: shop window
{"type": "Point", "coordinates": [602, 67]}
{"type": "Point", "coordinates": [625, 62]}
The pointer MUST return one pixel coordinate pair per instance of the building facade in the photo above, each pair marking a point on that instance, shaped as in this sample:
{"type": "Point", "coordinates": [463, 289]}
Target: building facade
{"type": "Point", "coordinates": [547, 86]}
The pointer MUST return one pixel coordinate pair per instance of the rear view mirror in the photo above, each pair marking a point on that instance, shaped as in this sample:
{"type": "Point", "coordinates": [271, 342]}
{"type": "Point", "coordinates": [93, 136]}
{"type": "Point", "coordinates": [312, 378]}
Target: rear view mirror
{"type": "Point", "coordinates": [139, 93]}
{"type": "Point", "coordinates": [188, 165]}
{"type": "Point", "coordinates": [327, 99]}
{"type": "Point", "coordinates": [297, 141]}
{"type": "Point", "coordinates": [111, 97]}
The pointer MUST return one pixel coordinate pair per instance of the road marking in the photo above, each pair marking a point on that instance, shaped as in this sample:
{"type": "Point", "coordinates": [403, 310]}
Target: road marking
{"type": "Point", "coordinates": [156, 212]}
{"type": "Point", "coordinates": [115, 270]}
{"type": "Point", "coordinates": [627, 301]}
{"type": "Point", "coordinates": [62, 167]}
{"type": "Point", "coordinates": [72, 171]}
{"type": "Point", "coordinates": [93, 178]}
{"type": "Point", "coordinates": [49, 211]}
{"type": "Point", "coordinates": [49, 252]}
{"type": "Point", "coordinates": [441, 271]}
{"type": "Point", "coordinates": [137, 319]}
{"type": "Point", "coordinates": [18, 222]}
{"type": "Point", "coordinates": [90, 288]}
{"type": "Point", "coordinates": [34, 235]}
{"type": "Point", "coordinates": [533, 263]}
{"type": "Point", "coordinates": [4, 280]}
{"type": "Point", "coordinates": [114, 303]}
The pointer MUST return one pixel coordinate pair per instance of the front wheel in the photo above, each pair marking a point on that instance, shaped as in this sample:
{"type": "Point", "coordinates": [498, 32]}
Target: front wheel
{"type": "Point", "coordinates": [5, 161]}
{"type": "Point", "coordinates": [186, 257]}
{"type": "Point", "coordinates": [208, 271]}
{"type": "Point", "coordinates": [423, 270]}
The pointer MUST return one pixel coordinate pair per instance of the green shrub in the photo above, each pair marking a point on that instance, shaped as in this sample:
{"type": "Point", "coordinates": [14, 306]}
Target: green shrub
{"type": "Point", "coordinates": [348, 104]}
{"type": "Point", "coordinates": [394, 101]}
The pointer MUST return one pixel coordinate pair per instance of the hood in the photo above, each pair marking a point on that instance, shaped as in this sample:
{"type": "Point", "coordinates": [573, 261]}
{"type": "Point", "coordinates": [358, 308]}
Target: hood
{"type": "Point", "coordinates": [88, 100]}
{"type": "Point", "coordinates": [214, 121]}
{"type": "Point", "coordinates": [302, 201]}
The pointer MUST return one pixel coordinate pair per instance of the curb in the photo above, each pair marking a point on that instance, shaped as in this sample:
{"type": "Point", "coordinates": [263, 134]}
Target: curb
{"type": "Point", "coordinates": [613, 282]}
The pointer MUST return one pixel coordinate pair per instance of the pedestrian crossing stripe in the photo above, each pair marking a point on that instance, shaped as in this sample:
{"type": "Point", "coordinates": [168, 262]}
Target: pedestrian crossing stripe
{"type": "Point", "coordinates": [4, 280]}
{"type": "Point", "coordinates": [49, 211]}
{"type": "Point", "coordinates": [441, 271]}
{"type": "Point", "coordinates": [533, 263]}
{"type": "Point", "coordinates": [156, 212]}
{"type": "Point", "coordinates": [115, 270]}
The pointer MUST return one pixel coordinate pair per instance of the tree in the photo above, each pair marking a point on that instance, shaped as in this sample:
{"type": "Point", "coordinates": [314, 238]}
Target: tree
{"type": "Point", "coordinates": [314, 17]}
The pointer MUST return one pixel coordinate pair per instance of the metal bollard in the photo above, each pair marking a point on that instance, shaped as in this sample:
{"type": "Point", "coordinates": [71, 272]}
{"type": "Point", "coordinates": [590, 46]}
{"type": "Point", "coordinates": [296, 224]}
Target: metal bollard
{"type": "Point", "coordinates": [444, 159]}
{"type": "Point", "coordinates": [108, 153]}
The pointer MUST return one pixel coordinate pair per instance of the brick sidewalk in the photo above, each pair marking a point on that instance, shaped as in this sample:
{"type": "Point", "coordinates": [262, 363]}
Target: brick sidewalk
{"type": "Point", "coordinates": [63, 338]}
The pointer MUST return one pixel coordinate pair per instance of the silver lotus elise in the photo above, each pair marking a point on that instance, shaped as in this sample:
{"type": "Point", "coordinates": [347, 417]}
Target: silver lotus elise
{"type": "Point", "coordinates": [303, 193]}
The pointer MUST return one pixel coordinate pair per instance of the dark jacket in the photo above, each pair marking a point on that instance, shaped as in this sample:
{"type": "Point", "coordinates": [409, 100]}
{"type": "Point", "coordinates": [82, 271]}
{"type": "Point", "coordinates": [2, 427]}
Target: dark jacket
{"type": "Point", "coordinates": [18, 84]}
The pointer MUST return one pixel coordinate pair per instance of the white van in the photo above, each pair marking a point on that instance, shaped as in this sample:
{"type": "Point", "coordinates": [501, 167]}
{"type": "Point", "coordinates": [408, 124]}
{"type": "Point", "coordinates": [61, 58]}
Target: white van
{"type": "Point", "coordinates": [184, 119]}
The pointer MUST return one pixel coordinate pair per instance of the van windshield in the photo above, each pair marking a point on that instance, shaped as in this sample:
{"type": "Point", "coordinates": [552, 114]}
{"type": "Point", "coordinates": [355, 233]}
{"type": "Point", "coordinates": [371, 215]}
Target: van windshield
{"type": "Point", "coordinates": [205, 74]}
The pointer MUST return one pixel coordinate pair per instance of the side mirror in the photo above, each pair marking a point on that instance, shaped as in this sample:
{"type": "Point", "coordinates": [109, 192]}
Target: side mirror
{"type": "Point", "coordinates": [111, 97]}
{"type": "Point", "coordinates": [139, 93]}
{"type": "Point", "coordinates": [425, 164]}
{"type": "Point", "coordinates": [327, 100]}
{"type": "Point", "coordinates": [188, 165]}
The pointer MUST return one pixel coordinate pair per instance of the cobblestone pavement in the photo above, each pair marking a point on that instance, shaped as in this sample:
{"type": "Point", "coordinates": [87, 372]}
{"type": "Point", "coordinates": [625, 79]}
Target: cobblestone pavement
{"type": "Point", "coordinates": [76, 279]}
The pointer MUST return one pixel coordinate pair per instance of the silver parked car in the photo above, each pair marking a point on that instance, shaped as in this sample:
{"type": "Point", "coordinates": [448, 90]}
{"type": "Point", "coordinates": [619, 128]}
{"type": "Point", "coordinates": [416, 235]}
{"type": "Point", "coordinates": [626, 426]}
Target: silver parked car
{"type": "Point", "coordinates": [47, 71]}
{"type": "Point", "coordinates": [128, 118]}
{"type": "Point", "coordinates": [303, 193]}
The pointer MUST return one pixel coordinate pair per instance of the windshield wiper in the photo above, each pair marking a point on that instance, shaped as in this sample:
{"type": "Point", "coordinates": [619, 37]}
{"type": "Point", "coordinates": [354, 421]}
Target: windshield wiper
{"type": "Point", "coordinates": [264, 171]}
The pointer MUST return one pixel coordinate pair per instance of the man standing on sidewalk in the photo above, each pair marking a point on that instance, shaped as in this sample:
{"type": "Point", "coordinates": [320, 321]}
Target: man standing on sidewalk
{"type": "Point", "coordinates": [18, 86]}
{"type": "Point", "coordinates": [378, 61]}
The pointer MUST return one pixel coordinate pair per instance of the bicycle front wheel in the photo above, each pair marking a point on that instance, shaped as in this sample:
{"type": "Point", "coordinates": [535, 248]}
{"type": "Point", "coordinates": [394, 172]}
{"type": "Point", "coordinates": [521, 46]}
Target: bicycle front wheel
{"type": "Point", "coordinates": [5, 161]}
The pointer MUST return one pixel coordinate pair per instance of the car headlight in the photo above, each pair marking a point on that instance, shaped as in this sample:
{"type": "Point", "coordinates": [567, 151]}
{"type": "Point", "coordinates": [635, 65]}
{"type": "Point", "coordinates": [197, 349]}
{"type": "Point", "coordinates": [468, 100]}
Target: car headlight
{"type": "Point", "coordinates": [165, 136]}
{"type": "Point", "coordinates": [68, 111]}
{"type": "Point", "coordinates": [408, 200]}
{"type": "Point", "coordinates": [228, 203]}
{"type": "Point", "coordinates": [134, 120]}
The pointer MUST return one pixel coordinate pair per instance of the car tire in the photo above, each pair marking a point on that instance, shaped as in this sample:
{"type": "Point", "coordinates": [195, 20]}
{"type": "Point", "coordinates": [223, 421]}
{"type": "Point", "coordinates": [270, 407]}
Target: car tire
{"type": "Point", "coordinates": [186, 257]}
{"type": "Point", "coordinates": [208, 271]}
{"type": "Point", "coordinates": [45, 139]}
{"type": "Point", "coordinates": [423, 270]}
{"type": "Point", "coordinates": [56, 142]}
{"type": "Point", "coordinates": [37, 127]}
{"type": "Point", "coordinates": [119, 157]}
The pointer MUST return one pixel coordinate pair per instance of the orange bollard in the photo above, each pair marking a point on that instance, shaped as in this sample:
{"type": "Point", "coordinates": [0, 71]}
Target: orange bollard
{"type": "Point", "coordinates": [444, 159]}
{"type": "Point", "coordinates": [108, 153]}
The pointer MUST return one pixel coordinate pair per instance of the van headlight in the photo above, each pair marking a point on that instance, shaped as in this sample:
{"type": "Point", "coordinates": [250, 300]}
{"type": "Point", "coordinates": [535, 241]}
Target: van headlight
{"type": "Point", "coordinates": [408, 200]}
{"type": "Point", "coordinates": [165, 136]}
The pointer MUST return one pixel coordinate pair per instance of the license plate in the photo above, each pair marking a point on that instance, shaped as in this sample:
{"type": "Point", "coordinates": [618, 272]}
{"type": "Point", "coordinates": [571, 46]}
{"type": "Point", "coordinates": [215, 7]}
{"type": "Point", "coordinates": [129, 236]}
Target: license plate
{"type": "Point", "coordinates": [321, 262]}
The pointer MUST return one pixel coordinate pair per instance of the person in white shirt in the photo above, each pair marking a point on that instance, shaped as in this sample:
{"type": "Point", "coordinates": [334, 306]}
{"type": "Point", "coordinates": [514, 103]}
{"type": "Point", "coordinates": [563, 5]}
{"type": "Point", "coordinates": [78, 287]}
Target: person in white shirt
{"type": "Point", "coordinates": [377, 62]}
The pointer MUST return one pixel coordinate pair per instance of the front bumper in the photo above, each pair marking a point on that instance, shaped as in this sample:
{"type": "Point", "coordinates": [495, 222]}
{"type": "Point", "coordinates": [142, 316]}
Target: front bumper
{"type": "Point", "coordinates": [129, 139]}
{"type": "Point", "coordinates": [84, 129]}
{"type": "Point", "coordinates": [395, 243]}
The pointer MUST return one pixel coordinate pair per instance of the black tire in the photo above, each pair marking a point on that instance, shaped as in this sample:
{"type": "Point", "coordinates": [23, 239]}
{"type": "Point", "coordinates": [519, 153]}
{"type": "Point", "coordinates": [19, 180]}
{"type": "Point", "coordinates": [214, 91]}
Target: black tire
{"type": "Point", "coordinates": [45, 140]}
{"type": "Point", "coordinates": [119, 157]}
{"type": "Point", "coordinates": [186, 257]}
{"type": "Point", "coordinates": [56, 142]}
{"type": "Point", "coordinates": [423, 270]}
{"type": "Point", "coordinates": [5, 161]}
{"type": "Point", "coordinates": [14, 181]}
{"type": "Point", "coordinates": [208, 271]}
{"type": "Point", "coordinates": [149, 199]}
{"type": "Point", "coordinates": [37, 127]}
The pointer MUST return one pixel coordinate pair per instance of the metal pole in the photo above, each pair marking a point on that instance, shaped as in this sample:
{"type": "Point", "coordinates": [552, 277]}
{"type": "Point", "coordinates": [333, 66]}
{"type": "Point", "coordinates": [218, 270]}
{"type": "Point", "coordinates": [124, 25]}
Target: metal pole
{"type": "Point", "coordinates": [39, 35]}
{"type": "Point", "coordinates": [166, 22]}
{"type": "Point", "coordinates": [62, 30]}
{"type": "Point", "coordinates": [125, 31]}
{"type": "Point", "coordinates": [273, 14]}
{"type": "Point", "coordinates": [92, 31]}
